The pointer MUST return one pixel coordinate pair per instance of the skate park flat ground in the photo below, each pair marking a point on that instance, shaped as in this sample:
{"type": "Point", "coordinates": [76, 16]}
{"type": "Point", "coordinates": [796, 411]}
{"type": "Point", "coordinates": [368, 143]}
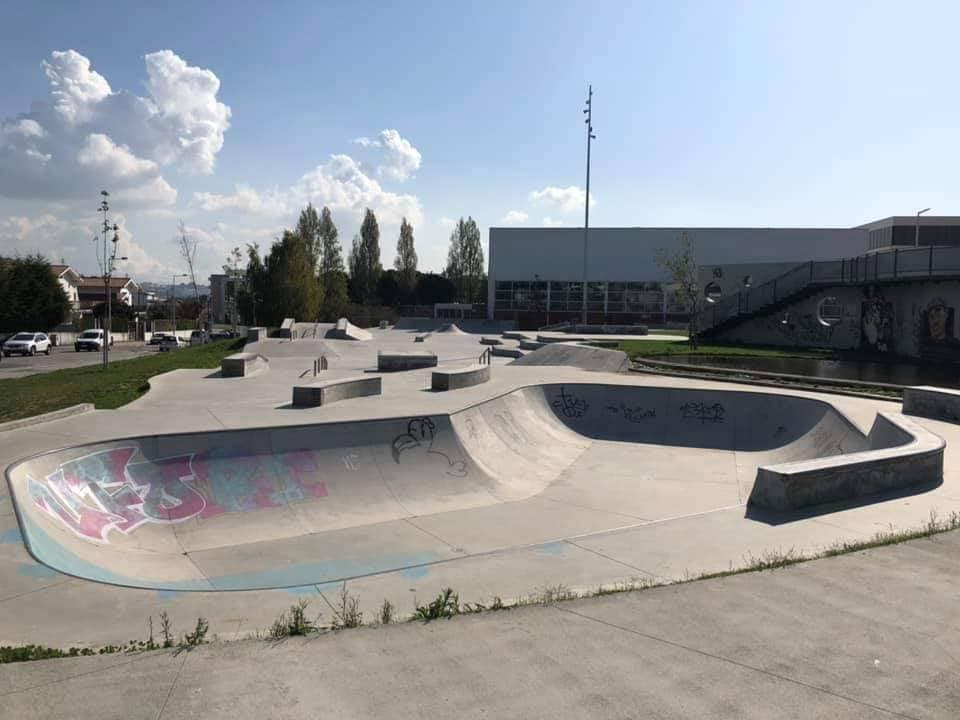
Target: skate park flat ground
{"type": "Point", "coordinates": [585, 511]}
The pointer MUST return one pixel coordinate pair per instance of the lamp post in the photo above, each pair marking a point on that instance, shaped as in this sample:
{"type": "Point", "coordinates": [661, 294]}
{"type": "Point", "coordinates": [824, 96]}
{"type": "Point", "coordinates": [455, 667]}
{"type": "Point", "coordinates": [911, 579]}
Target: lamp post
{"type": "Point", "coordinates": [173, 300]}
{"type": "Point", "coordinates": [106, 258]}
{"type": "Point", "coordinates": [588, 111]}
{"type": "Point", "coordinates": [916, 234]}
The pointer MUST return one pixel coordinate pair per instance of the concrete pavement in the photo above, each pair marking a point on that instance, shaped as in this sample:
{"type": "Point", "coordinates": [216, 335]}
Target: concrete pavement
{"type": "Point", "coordinates": [865, 636]}
{"type": "Point", "coordinates": [660, 514]}
{"type": "Point", "coordinates": [63, 357]}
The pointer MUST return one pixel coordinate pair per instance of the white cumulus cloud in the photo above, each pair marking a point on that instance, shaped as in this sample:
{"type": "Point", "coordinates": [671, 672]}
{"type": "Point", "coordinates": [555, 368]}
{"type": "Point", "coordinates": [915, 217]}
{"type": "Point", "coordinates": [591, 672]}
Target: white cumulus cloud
{"type": "Point", "coordinates": [400, 159]}
{"type": "Point", "coordinates": [75, 88]}
{"type": "Point", "coordinates": [565, 200]}
{"type": "Point", "coordinates": [102, 154]}
{"type": "Point", "coordinates": [514, 217]}
{"type": "Point", "coordinates": [550, 222]}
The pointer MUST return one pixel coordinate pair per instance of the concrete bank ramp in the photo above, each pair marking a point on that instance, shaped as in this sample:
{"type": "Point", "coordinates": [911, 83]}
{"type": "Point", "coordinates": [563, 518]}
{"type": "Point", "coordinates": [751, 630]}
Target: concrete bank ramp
{"type": "Point", "coordinates": [345, 330]}
{"type": "Point", "coordinates": [451, 328]}
{"type": "Point", "coordinates": [581, 356]}
{"type": "Point", "coordinates": [292, 506]}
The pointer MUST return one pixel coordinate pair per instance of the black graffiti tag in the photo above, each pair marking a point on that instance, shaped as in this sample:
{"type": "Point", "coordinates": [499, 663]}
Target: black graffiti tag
{"type": "Point", "coordinates": [702, 412]}
{"type": "Point", "coordinates": [569, 405]}
{"type": "Point", "coordinates": [420, 433]}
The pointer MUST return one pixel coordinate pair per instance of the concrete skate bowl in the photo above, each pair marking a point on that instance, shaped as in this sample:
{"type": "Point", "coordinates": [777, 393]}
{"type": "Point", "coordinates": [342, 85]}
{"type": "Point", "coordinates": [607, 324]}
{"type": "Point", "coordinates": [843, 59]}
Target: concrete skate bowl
{"type": "Point", "coordinates": [306, 505]}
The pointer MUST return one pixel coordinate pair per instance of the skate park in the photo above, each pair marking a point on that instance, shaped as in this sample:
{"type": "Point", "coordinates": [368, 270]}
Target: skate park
{"type": "Point", "coordinates": [220, 496]}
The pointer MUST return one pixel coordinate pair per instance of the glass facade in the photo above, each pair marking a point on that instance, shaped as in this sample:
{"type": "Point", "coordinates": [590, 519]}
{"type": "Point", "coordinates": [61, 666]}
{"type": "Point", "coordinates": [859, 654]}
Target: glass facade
{"type": "Point", "coordinates": [606, 298]}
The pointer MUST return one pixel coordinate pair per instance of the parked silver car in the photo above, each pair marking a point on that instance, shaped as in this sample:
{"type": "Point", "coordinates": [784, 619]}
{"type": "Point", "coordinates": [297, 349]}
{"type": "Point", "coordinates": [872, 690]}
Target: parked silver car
{"type": "Point", "coordinates": [172, 342]}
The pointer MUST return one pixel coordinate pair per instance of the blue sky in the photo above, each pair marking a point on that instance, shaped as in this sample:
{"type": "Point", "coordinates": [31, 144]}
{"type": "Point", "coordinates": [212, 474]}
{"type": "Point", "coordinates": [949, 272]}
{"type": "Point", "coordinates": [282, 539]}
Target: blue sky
{"type": "Point", "coordinates": [707, 113]}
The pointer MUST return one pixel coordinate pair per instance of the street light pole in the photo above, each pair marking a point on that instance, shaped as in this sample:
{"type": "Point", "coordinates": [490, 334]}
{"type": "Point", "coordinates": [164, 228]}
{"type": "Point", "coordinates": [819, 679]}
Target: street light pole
{"type": "Point", "coordinates": [916, 234]}
{"type": "Point", "coordinates": [107, 259]}
{"type": "Point", "coordinates": [586, 218]}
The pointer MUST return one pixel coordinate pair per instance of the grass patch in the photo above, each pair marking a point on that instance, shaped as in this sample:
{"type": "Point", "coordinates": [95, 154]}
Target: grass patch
{"type": "Point", "coordinates": [123, 382]}
{"type": "Point", "coordinates": [666, 348]}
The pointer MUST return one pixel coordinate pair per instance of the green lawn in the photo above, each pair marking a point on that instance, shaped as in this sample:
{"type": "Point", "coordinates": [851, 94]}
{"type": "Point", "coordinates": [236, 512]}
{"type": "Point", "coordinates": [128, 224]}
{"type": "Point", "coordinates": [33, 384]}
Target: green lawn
{"type": "Point", "coordinates": [124, 381]}
{"type": "Point", "coordinates": [665, 348]}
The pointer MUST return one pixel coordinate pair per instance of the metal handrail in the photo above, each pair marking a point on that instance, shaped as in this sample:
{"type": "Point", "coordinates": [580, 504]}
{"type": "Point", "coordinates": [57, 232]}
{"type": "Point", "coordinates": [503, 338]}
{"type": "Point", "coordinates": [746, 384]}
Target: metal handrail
{"type": "Point", "coordinates": [485, 356]}
{"type": "Point", "coordinates": [896, 264]}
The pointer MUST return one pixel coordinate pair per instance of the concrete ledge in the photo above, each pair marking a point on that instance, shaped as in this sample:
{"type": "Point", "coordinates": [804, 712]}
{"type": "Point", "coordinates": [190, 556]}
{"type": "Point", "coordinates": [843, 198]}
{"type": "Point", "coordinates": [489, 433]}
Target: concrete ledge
{"type": "Point", "coordinates": [501, 351]}
{"type": "Point", "coordinates": [286, 329]}
{"type": "Point", "coordinates": [242, 364]}
{"type": "Point", "coordinates": [932, 402]}
{"type": "Point", "coordinates": [490, 341]}
{"type": "Point", "coordinates": [47, 417]}
{"type": "Point", "coordinates": [256, 334]}
{"type": "Point", "coordinates": [406, 360]}
{"type": "Point", "coordinates": [324, 393]}
{"type": "Point", "coordinates": [531, 345]}
{"type": "Point", "coordinates": [902, 455]}
{"type": "Point", "coordinates": [345, 330]}
{"type": "Point", "coordinates": [460, 377]}
{"type": "Point", "coordinates": [421, 338]}
{"type": "Point", "coordinates": [515, 335]}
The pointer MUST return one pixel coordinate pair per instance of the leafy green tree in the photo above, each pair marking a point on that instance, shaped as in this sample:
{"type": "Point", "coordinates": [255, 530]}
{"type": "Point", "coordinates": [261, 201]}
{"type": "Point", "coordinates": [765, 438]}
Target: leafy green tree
{"type": "Point", "coordinates": [465, 267]}
{"type": "Point", "coordinates": [406, 262]}
{"type": "Point", "coordinates": [308, 229]}
{"type": "Point", "coordinates": [388, 288]}
{"type": "Point", "coordinates": [31, 297]}
{"type": "Point", "coordinates": [293, 288]}
{"type": "Point", "coordinates": [365, 267]}
{"type": "Point", "coordinates": [333, 277]}
{"type": "Point", "coordinates": [433, 288]}
{"type": "Point", "coordinates": [683, 268]}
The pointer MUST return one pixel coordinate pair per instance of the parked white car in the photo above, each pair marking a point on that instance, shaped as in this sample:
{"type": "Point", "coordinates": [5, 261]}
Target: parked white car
{"type": "Point", "coordinates": [27, 344]}
{"type": "Point", "coordinates": [90, 340]}
{"type": "Point", "coordinates": [199, 337]}
{"type": "Point", "coordinates": [172, 342]}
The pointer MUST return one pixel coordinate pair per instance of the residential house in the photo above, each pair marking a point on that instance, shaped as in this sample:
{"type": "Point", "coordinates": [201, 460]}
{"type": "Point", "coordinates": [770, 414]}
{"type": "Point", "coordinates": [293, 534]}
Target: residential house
{"type": "Point", "coordinates": [123, 291]}
{"type": "Point", "coordinates": [70, 280]}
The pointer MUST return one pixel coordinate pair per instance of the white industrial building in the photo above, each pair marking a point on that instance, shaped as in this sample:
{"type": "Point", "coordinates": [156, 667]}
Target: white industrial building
{"type": "Point", "coordinates": [536, 274]}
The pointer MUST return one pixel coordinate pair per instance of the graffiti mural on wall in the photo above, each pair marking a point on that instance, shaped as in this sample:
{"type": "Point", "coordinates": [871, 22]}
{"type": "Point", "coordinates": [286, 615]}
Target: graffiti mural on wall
{"type": "Point", "coordinates": [703, 412]}
{"type": "Point", "coordinates": [632, 414]}
{"type": "Point", "coordinates": [803, 330]}
{"type": "Point", "coordinates": [936, 331]}
{"type": "Point", "coordinates": [569, 405]}
{"type": "Point", "coordinates": [876, 324]}
{"type": "Point", "coordinates": [104, 492]}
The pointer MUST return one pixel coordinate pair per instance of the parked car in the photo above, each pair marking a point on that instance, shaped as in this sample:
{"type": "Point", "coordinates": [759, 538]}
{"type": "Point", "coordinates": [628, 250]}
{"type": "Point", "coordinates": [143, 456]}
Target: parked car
{"type": "Point", "coordinates": [171, 342]}
{"type": "Point", "coordinates": [157, 338]}
{"type": "Point", "coordinates": [27, 344]}
{"type": "Point", "coordinates": [199, 337]}
{"type": "Point", "coordinates": [90, 340]}
{"type": "Point", "coordinates": [222, 335]}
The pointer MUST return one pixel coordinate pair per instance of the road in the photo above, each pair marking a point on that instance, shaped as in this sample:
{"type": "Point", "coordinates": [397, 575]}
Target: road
{"type": "Point", "coordinates": [17, 366]}
{"type": "Point", "coordinates": [864, 636]}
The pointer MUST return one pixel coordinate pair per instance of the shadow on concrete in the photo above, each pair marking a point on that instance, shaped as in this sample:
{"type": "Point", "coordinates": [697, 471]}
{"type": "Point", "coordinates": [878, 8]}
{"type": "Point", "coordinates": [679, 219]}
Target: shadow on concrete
{"type": "Point", "coordinates": [772, 517]}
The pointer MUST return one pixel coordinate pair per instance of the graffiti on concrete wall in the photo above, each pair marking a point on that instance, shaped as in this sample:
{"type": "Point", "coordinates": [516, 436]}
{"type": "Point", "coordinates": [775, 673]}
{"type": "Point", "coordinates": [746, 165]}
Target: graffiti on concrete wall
{"type": "Point", "coordinates": [632, 414]}
{"type": "Point", "coordinates": [804, 329]}
{"type": "Point", "coordinates": [421, 433]}
{"type": "Point", "coordinates": [105, 491]}
{"type": "Point", "coordinates": [703, 412]}
{"type": "Point", "coordinates": [876, 324]}
{"type": "Point", "coordinates": [569, 405]}
{"type": "Point", "coordinates": [936, 332]}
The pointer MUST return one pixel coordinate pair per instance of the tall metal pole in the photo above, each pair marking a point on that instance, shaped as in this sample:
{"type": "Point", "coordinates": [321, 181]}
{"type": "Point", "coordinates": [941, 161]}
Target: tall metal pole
{"type": "Point", "coordinates": [173, 304]}
{"type": "Point", "coordinates": [916, 234]}
{"type": "Point", "coordinates": [105, 270]}
{"type": "Point", "coordinates": [586, 218]}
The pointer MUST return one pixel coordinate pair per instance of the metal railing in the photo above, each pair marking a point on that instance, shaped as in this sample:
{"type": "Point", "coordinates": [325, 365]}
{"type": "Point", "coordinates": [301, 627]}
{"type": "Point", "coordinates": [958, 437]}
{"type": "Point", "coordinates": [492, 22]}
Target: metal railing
{"type": "Point", "coordinates": [485, 356]}
{"type": "Point", "coordinates": [907, 264]}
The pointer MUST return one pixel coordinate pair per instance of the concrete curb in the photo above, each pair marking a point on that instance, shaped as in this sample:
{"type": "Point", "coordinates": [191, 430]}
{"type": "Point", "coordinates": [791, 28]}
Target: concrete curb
{"type": "Point", "coordinates": [47, 417]}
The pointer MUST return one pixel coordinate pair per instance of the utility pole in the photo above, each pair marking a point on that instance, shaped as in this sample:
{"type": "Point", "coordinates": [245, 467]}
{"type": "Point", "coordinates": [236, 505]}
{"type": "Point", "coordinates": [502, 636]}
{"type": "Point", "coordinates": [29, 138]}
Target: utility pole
{"type": "Point", "coordinates": [106, 258]}
{"type": "Point", "coordinates": [588, 111]}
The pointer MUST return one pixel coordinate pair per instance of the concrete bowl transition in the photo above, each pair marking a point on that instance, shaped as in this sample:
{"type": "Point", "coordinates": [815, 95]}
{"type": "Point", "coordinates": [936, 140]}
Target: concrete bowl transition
{"type": "Point", "coordinates": [289, 506]}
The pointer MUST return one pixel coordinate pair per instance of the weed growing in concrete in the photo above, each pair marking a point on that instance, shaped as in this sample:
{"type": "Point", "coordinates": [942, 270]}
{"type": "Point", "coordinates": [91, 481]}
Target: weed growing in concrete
{"type": "Point", "coordinates": [166, 629]}
{"type": "Point", "coordinates": [347, 614]}
{"type": "Point", "coordinates": [198, 636]}
{"type": "Point", "coordinates": [554, 593]}
{"type": "Point", "coordinates": [387, 612]}
{"type": "Point", "coordinates": [293, 623]}
{"type": "Point", "coordinates": [445, 605]}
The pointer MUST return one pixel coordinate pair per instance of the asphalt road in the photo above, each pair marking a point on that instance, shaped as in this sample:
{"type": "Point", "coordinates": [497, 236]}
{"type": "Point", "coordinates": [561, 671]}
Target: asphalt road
{"type": "Point", "coordinates": [17, 366]}
{"type": "Point", "coordinates": [865, 636]}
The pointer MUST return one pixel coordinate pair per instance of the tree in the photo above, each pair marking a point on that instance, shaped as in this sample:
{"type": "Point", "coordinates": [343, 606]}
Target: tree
{"type": "Point", "coordinates": [388, 288]}
{"type": "Point", "coordinates": [682, 266]}
{"type": "Point", "coordinates": [465, 260]}
{"type": "Point", "coordinates": [433, 288]}
{"type": "Point", "coordinates": [308, 229]}
{"type": "Point", "coordinates": [31, 297]}
{"type": "Point", "coordinates": [365, 267]}
{"type": "Point", "coordinates": [188, 251]}
{"type": "Point", "coordinates": [332, 274]}
{"type": "Point", "coordinates": [406, 262]}
{"type": "Point", "coordinates": [292, 288]}
{"type": "Point", "coordinates": [231, 268]}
